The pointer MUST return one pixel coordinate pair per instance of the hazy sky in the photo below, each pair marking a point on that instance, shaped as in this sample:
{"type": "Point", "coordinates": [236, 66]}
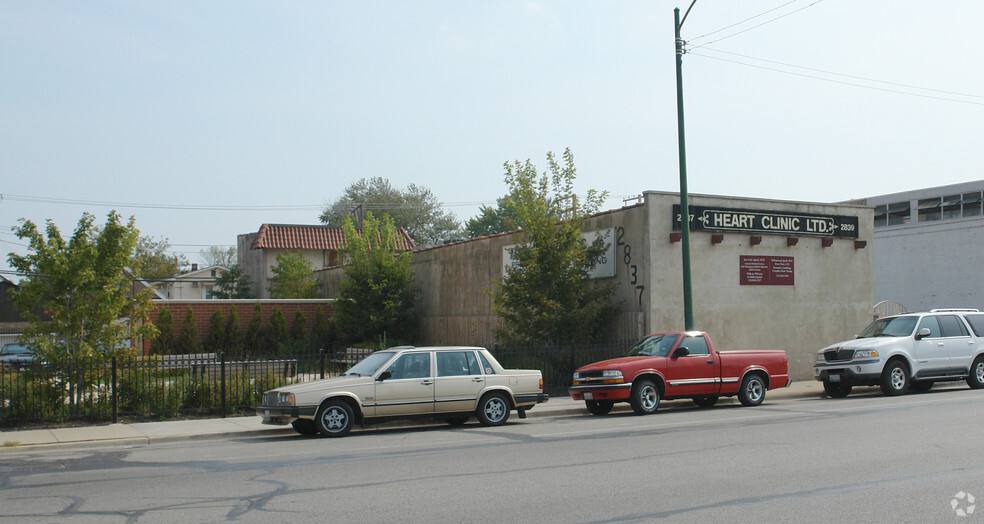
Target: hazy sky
{"type": "Point", "coordinates": [205, 120]}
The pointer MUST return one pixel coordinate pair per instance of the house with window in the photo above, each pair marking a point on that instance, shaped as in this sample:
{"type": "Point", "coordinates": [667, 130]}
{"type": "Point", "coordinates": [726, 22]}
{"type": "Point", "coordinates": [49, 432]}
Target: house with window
{"type": "Point", "coordinates": [195, 284]}
{"type": "Point", "coordinates": [927, 245]}
{"type": "Point", "coordinates": [319, 244]}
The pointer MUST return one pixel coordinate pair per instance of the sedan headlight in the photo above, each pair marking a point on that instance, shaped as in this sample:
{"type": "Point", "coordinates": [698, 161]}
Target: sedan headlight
{"type": "Point", "coordinates": [286, 399]}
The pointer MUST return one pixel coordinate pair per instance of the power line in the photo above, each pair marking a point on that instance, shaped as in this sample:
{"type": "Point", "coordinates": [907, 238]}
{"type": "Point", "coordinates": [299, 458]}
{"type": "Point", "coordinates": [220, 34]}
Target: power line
{"type": "Point", "coordinates": [853, 84]}
{"type": "Point", "coordinates": [754, 26]}
{"type": "Point", "coordinates": [845, 75]}
{"type": "Point", "coordinates": [725, 28]}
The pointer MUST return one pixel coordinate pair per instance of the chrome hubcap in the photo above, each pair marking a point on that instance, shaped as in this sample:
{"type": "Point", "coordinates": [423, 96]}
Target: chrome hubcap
{"type": "Point", "coordinates": [649, 397]}
{"type": "Point", "coordinates": [495, 409]}
{"type": "Point", "coordinates": [979, 371]}
{"type": "Point", "coordinates": [898, 378]}
{"type": "Point", "coordinates": [334, 419]}
{"type": "Point", "coordinates": [754, 390]}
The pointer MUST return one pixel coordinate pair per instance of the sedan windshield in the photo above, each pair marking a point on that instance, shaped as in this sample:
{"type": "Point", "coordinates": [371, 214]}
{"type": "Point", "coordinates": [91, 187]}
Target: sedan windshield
{"type": "Point", "coordinates": [653, 346]}
{"type": "Point", "coordinates": [370, 364]}
{"type": "Point", "coordinates": [890, 327]}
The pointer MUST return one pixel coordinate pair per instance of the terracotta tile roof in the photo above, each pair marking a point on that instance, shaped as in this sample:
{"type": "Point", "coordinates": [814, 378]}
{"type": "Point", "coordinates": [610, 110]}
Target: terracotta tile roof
{"type": "Point", "coordinates": [293, 236]}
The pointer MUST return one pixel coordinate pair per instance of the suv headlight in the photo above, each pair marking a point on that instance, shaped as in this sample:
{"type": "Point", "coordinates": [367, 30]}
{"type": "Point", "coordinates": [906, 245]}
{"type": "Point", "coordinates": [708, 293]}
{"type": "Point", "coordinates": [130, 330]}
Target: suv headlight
{"type": "Point", "coordinates": [285, 399]}
{"type": "Point", "coordinates": [865, 353]}
{"type": "Point", "coordinates": [821, 358]}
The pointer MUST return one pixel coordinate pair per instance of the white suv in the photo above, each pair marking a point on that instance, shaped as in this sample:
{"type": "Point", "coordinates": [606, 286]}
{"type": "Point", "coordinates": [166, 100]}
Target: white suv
{"type": "Point", "coordinates": [910, 350]}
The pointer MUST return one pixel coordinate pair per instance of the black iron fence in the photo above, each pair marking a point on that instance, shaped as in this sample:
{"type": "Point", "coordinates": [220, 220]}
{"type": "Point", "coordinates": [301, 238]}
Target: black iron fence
{"type": "Point", "coordinates": [174, 386]}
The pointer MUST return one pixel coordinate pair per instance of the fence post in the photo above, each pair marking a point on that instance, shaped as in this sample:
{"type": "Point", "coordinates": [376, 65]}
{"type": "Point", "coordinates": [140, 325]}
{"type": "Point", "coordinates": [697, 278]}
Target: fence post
{"type": "Point", "coordinates": [321, 354]}
{"type": "Point", "coordinates": [222, 366]}
{"type": "Point", "coordinates": [113, 393]}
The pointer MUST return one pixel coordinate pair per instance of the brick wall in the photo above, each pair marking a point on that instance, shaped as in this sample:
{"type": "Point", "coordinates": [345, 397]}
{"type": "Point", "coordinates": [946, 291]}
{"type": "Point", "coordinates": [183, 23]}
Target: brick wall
{"type": "Point", "coordinates": [204, 309]}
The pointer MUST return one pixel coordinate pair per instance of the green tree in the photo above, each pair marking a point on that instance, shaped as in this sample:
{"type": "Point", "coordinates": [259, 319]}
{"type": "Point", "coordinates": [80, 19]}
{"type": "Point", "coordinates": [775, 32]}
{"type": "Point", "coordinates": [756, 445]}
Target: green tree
{"type": "Point", "coordinates": [163, 343]}
{"type": "Point", "coordinates": [276, 332]}
{"type": "Point", "coordinates": [298, 327]}
{"type": "Point", "coordinates": [492, 220]}
{"type": "Point", "coordinates": [215, 341]}
{"type": "Point", "coordinates": [91, 309]}
{"type": "Point", "coordinates": [255, 340]}
{"type": "Point", "coordinates": [324, 334]}
{"type": "Point", "coordinates": [233, 335]}
{"type": "Point", "coordinates": [233, 284]}
{"type": "Point", "coordinates": [216, 256]}
{"type": "Point", "coordinates": [548, 297]}
{"type": "Point", "coordinates": [151, 260]}
{"type": "Point", "coordinates": [376, 296]}
{"type": "Point", "coordinates": [293, 277]}
{"type": "Point", "coordinates": [188, 342]}
{"type": "Point", "coordinates": [415, 209]}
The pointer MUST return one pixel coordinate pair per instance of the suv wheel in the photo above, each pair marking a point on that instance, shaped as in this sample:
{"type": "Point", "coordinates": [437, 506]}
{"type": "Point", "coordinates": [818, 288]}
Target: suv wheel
{"type": "Point", "coordinates": [976, 377]}
{"type": "Point", "coordinates": [895, 378]}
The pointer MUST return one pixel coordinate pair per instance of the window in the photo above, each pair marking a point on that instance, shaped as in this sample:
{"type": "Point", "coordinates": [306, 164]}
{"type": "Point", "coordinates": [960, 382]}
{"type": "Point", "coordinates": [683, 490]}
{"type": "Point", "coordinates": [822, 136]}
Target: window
{"type": "Point", "coordinates": [976, 323]}
{"type": "Point", "coordinates": [929, 209]}
{"type": "Point", "coordinates": [971, 204]}
{"type": "Point", "coordinates": [695, 345]}
{"type": "Point", "coordinates": [213, 273]}
{"type": "Point", "coordinates": [951, 206]}
{"type": "Point", "coordinates": [932, 324]}
{"type": "Point", "coordinates": [458, 363]}
{"type": "Point", "coordinates": [952, 326]}
{"type": "Point", "coordinates": [881, 216]}
{"type": "Point", "coordinates": [898, 213]}
{"type": "Point", "coordinates": [194, 283]}
{"type": "Point", "coordinates": [489, 370]}
{"type": "Point", "coordinates": [410, 365]}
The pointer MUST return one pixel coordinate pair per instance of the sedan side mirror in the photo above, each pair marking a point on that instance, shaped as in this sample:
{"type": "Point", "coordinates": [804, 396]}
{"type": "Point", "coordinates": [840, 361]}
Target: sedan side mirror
{"type": "Point", "coordinates": [384, 375]}
{"type": "Point", "coordinates": [923, 333]}
{"type": "Point", "coordinates": [680, 352]}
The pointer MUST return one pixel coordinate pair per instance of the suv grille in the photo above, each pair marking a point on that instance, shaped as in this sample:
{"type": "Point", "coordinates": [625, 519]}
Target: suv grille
{"type": "Point", "coordinates": [838, 355]}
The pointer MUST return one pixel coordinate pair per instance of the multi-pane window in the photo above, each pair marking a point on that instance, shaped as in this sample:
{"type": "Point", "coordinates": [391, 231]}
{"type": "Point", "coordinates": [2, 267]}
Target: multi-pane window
{"type": "Point", "coordinates": [951, 206]}
{"type": "Point", "coordinates": [898, 213]}
{"type": "Point", "coordinates": [971, 204]}
{"type": "Point", "coordinates": [929, 209]}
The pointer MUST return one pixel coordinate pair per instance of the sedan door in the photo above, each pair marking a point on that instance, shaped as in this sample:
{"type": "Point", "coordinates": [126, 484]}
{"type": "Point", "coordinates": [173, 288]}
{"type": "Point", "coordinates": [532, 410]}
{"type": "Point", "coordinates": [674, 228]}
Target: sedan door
{"type": "Point", "coordinates": [410, 388]}
{"type": "Point", "coordinates": [459, 381]}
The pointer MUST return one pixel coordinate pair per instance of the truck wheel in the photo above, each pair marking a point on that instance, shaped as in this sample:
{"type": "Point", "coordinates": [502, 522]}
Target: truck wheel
{"type": "Point", "coordinates": [836, 389]}
{"type": "Point", "coordinates": [895, 378]}
{"type": "Point", "coordinates": [644, 398]}
{"type": "Point", "coordinates": [752, 390]}
{"type": "Point", "coordinates": [304, 427]}
{"type": "Point", "coordinates": [493, 410]}
{"type": "Point", "coordinates": [599, 407]}
{"type": "Point", "coordinates": [706, 402]}
{"type": "Point", "coordinates": [976, 377]}
{"type": "Point", "coordinates": [334, 419]}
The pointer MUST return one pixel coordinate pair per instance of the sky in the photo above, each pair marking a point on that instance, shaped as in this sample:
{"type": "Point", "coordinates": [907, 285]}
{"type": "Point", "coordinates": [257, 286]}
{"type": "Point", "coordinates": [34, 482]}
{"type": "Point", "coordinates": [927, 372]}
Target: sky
{"type": "Point", "coordinates": [204, 120]}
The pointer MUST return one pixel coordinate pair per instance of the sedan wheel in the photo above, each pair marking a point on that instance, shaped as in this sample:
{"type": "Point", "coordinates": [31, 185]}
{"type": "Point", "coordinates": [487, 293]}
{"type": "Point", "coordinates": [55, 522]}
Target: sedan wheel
{"type": "Point", "coordinates": [334, 419]}
{"type": "Point", "coordinates": [493, 410]}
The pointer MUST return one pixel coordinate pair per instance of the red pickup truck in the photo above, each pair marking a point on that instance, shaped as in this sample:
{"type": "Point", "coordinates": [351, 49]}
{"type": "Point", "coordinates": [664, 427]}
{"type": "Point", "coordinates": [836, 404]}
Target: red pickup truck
{"type": "Point", "coordinates": [679, 365]}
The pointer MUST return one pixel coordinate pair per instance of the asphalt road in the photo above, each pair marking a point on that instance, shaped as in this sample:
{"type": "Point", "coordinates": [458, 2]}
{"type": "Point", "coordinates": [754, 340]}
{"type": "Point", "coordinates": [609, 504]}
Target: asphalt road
{"type": "Point", "coordinates": [866, 458]}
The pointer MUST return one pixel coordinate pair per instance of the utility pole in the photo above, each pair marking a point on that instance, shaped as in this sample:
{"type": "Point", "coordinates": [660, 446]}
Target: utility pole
{"type": "Point", "coordinates": [688, 307]}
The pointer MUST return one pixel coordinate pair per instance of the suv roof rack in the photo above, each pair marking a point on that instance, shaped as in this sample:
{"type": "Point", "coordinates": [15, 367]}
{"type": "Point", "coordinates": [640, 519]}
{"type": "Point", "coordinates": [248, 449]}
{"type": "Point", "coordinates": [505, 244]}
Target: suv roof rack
{"type": "Point", "coordinates": [955, 309]}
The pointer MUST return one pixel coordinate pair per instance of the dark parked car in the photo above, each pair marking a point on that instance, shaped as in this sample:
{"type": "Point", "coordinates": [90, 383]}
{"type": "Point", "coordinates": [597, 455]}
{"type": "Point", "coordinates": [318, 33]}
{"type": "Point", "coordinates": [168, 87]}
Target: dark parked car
{"type": "Point", "coordinates": [14, 355]}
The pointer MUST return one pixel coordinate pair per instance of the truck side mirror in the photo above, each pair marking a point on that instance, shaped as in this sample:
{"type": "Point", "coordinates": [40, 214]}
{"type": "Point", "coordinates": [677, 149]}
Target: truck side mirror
{"type": "Point", "coordinates": [384, 375]}
{"type": "Point", "coordinates": [680, 352]}
{"type": "Point", "coordinates": [923, 333]}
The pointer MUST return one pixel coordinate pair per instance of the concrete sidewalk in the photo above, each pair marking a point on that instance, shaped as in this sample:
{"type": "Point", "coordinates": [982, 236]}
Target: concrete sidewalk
{"type": "Point", "coordinates": [146, 433]}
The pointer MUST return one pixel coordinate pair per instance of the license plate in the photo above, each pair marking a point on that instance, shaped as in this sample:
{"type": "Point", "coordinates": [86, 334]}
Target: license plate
{"type": "Point", "coordinates": [588, 396]}
{"type": "Point", "coordinates": [835, 378]}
